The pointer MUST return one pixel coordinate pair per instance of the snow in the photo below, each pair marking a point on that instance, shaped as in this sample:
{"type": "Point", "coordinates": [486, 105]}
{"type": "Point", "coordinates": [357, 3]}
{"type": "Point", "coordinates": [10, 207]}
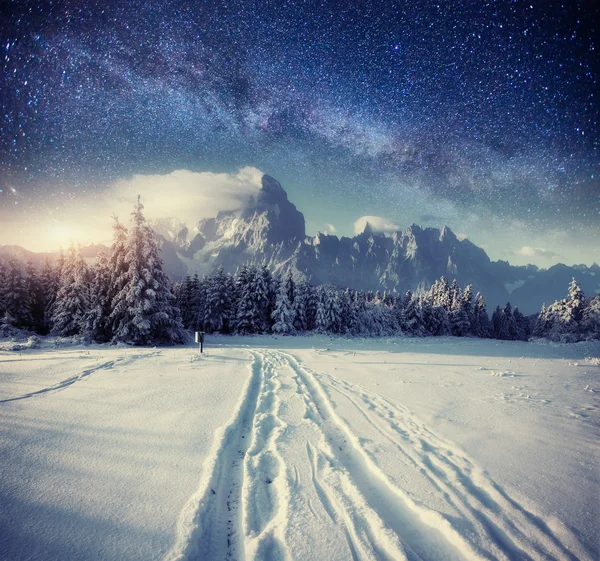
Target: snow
{"type": "Point", "coordinates": [512, 286]}
{"type": "Point", "coordinates": [301, 448]}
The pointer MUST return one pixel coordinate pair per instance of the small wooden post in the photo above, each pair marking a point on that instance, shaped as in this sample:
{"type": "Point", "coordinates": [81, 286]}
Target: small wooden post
{"type": "Point", "coordinates": [200, 341]}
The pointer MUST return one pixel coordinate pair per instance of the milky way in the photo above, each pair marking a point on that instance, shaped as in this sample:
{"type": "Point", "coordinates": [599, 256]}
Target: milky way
{"type": "Point", "coordinates": [487, 106]}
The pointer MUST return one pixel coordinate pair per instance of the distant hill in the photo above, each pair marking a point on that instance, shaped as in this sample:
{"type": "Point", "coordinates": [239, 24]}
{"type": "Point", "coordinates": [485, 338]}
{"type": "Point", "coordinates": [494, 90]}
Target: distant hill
{"type": "Point", "coordinates": [89, 252]}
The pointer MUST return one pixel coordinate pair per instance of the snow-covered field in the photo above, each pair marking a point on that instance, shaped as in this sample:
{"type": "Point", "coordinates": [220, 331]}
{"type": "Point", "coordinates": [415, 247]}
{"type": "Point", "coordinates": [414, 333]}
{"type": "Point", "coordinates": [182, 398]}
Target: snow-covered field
{"type": "Point", "coordinates": [301, 448]}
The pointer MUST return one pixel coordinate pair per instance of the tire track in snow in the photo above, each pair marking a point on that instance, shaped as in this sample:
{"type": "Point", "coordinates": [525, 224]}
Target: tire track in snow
{"type": "Point", "coordinates": [84, 374]}
{"type": "Point", "coordinates": [265, 492]}
{"type": "Point", "coordinates": [424, 534]}
{"type": "Point", "coordinates": [497, 526]}
{"type": "Point", "coordinates": [210, 525]}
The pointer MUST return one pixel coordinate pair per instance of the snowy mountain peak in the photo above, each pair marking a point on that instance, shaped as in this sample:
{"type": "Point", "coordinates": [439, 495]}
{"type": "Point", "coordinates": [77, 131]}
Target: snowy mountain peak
{"type": "Point", "coordinates": [447, 234]}
{"type": "Point", "coordinates": [270, 228]}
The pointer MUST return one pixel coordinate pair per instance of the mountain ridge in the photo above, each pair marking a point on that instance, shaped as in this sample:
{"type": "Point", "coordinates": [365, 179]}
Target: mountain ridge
{"type": "Point", "coordinates": [270, 229]}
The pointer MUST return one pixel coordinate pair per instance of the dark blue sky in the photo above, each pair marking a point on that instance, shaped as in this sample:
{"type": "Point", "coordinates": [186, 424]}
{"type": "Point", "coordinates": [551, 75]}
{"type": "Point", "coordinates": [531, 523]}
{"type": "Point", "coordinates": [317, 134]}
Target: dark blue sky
{"type": "Point", "coordinates": [481, 115]}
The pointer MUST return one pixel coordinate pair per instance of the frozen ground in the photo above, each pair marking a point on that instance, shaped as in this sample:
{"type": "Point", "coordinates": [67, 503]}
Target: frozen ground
{"type": "Point", "coordinates": [301, 448]}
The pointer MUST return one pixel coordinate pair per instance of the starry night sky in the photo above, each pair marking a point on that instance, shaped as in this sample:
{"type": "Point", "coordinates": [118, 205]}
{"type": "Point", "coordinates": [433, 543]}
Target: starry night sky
{"type": "Point", "coordinates": [479, 115]}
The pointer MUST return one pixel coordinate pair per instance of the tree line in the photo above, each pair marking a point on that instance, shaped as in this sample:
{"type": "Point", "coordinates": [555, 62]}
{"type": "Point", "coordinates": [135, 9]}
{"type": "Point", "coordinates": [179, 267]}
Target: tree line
{"type": "Point", "coordinates": [127, 297]}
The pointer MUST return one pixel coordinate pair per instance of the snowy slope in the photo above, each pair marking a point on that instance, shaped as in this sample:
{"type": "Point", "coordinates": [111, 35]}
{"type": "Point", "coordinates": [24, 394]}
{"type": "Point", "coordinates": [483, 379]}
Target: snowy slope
{"type": "Point", "coordinates": [302, 448]}
{"type": "Point", "coordinates": [100, 468]}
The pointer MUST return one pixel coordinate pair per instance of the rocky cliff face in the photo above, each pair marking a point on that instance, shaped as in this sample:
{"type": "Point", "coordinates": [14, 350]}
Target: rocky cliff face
{"type": "Point", "coordinates": [271, 229]}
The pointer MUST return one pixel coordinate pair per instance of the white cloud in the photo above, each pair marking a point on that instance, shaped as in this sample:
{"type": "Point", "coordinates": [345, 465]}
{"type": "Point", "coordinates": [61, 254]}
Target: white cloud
{"type": "Point", "coordinates": [527, 251]}
{"type": "Point", "coordinates": [330, 229]}
{"type": "Point", "coordinates": [184, 194]}
{"type": "Point", "coordinates": [377, 223]}
{"type": "Point", "coordinates": [461, 236]}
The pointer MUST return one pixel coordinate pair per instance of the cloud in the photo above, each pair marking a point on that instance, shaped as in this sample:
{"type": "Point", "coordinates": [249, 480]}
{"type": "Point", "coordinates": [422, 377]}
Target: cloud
{"type": "Point", "coordinates": [527, 251]}
{"type": "Point", "coordinates": [461, 236]}
{"type": "Point", "coordinates": [189, 196]}
{"type": "Point", "coordinates": [185, 195]}
{"type": "Point", "coordinates": [378, 224]}
{"type": "Point", "coordinates": [330, 229]}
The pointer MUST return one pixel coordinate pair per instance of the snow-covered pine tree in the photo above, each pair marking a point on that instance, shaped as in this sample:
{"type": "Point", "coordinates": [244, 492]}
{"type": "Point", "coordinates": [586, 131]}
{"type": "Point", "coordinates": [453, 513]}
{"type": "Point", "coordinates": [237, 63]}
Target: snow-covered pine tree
{"type": "Point", "coordinates": [460, 323]}
{"type": "Point", "coordinates": [521, 326]}
{"type": "Point", "coordinates": [438, 323]}
{"type": "Point", "coordinates": [248, 318]}
{"type": "Point", "coordinates": [574, 308]}
{"type": "Point", "coordinates": [455, 292]}
{"type": "Point", "coordinates": [70, 307]}
{"type": "Point", "coordinates": [117, 264]}
{"type": "Point", "coordinates": [481, 322]}
{"type": "Point", "coordinates": [541, 326]}
{"type": "Point", "coordinates": [2, 284]}
{"type": "Point", "coordinates": [311, 307]}
{"type": "Point", "coordinates": [440, 294]}
{"type": "Point", "coordinates": [15, 296]}
{"type": "Point", "coordinates": [36, 297]}
{"type": "Point", "coordinates": [183, 293]}
{"type": "Point", "coordinates": [413, 322]}
{"type": "Point", "coordinates": [348, 315]}
{"type": "Point", "coordinates": [265, 291]}
{"type": "Point", "coordinates": [591, 318]}
{"type": "Point", "coordinates": [468, 305]}
{"type": "Point", "coordinates": [283, 315]}
{"type": "Point", "coordinates": [328, 318]}
{"type": "Point", "coordinates": [7, 326]}
{"type": "Point", "coordinates": [144, 308]}
{"type": "Point", "coordinates": [507, 330]}
{"type": "Point", "coordinates": [218, 312]}
{"type": "Point", "coordinates": [398, 311]}
{"type": "Point", "coordinates": [496, 322]}
{"type": "Point", "coordinates": [301, 302]}
{"type": "Point", "coordinates": [193, 302]}
{"type": "Point", "coordinates": [49, 283]}
{"type": "Point", "coordinates": [290, 286]}
{"type": "Point", "coordinates": [97, 318]}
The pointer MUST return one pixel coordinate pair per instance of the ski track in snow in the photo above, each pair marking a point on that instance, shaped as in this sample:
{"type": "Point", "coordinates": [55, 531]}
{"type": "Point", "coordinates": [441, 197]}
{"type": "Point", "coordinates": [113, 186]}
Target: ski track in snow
{"type": "Point", "coordinates": [289, 479]}
{"type": "Point", "coordinates": [84, 374]}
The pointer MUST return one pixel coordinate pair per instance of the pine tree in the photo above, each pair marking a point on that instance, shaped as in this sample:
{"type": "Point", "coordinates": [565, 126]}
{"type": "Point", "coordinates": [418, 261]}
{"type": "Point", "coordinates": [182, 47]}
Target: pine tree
{"type": "Point", "coordinates": [183, 292]}
{"type": "Point", "coordinates": [7, 326]}
{"type": "Point", "coordinates": [290, 287]}
{"type": "Point", "coordinates": [481, 326]}
{"type": "Point", "coordinates": [574, 308]}
{"type": "Point", "coordinates": [283, 315]}
{"type": "Point", "coordinates": [460, 323]}
{"type": "Point", "coordinates": [15, 296]}
{"type": "Point", "coordinates": [199, 303]}
{"type": "Point", "coordinates": [118, 270]}
{"type": "Point", "coordinates": [328, 318]}
{"type": "Point", "coordinates": [36, 297]}
{"type": "Point", "coordinates": [507, 329]}
{"type": "Point", "coordinates": [413, 322]}
{"type": "Point", "coordinates": [497, 322]}
{"type": "Point", "coordinates": [300, 304]}
{"type": "Point", "coordinates": [97, 318]}
{"type": "Point", "coordinates": [70, 307]}
{"type": "Point", "coordinates": [265, 296]}
{"type": "Point", "coordinates": [591, 318]}
{"type": "Point", "coordinates": [249, 317]}
{"type": "Point", "coordinates": [144, 307]}
{"type": "Point", "coordinates": [49, 285]}
{"type": "Point", "coordinates": [218, 311]}
{"type": "Point", "coordinates": [2, 287]}
{"type": "Point", "coordinates": [521, 326]}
